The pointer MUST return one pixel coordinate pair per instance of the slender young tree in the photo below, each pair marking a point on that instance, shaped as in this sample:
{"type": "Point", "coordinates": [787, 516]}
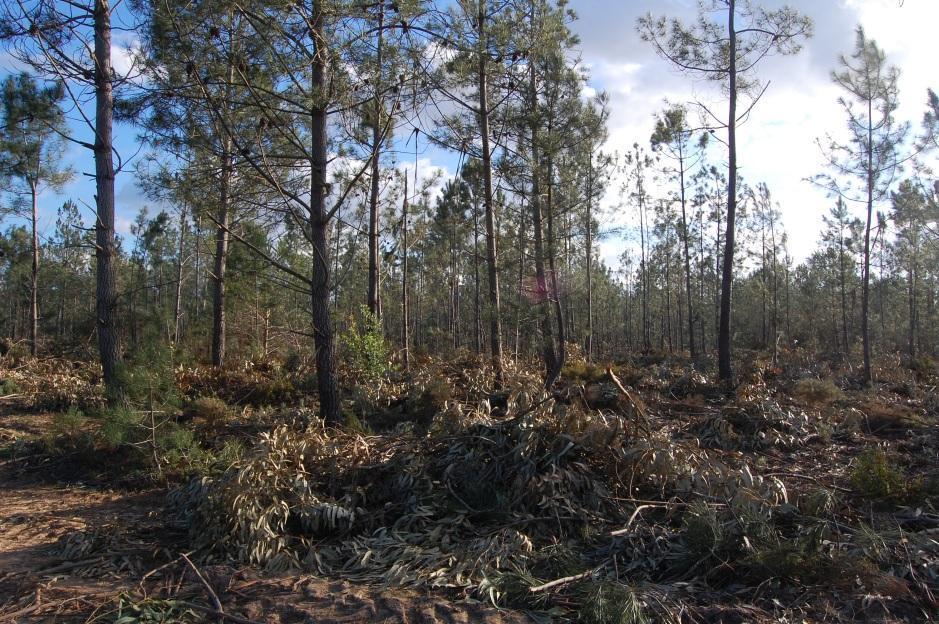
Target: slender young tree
{"type": "Point", "coordinates": [910, 219]}
{"type": "Point", "coordinates": [863, 168]}
{"type": "Point", "coordinates": [676, 139]}
{"type": "Point", "coordinates": [31, 153]}
{"type": "Point", "coordinates": [728, 53]}
{"type": "Point", "coordinates": [71, 42]}
{"type": "Point", "coordinates": [839, 235]}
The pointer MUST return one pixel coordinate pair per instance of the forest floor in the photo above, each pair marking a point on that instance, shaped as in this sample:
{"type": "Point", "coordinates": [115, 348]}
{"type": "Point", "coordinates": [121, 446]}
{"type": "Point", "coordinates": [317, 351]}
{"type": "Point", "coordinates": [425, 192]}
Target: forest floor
{"type": "Point", "coordinates": [46, 523]}
{"type": "Point", "coordinates": [648, 495]}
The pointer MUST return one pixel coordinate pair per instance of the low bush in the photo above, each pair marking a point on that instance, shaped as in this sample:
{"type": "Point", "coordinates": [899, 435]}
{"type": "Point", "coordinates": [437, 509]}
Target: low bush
{"type": "Point", "coordinates": [875, 477]}
{"type": "Point", "coordinates": [119, 426]}
{"type": "Point", "coordinates": [70, 424]}
{"type": "Point", "coordinates": [364, 347]}
{"type": "Point", "coordinates": [210, 410]}
{"type": "Point", "coordinates": [8, 387]}
{"type": "Point", "coordinates": [817, 390]}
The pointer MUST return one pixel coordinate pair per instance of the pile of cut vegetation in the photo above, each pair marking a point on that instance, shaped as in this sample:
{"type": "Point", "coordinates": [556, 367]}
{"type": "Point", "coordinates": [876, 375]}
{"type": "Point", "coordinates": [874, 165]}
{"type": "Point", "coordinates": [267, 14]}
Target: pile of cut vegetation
{"type": "Point", "coordinates": [48, 384]}
{"type": "Point", "coordinates": [551, 500]}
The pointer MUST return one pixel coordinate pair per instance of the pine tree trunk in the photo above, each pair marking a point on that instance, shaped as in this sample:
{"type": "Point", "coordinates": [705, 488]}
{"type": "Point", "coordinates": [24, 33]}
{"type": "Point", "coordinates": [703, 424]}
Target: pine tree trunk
{"type": "Point", "coordinates": [543, 293]}
{"type": "Point", "coordinates": [34, 276]}
{"type": "Point", "coordinates": [105, 245]}
{"type": "Point", "coordinates": [374, 305]}
{"type": "Point", "coordinates": [554, 291]}
{"type": "Point", "coordinates": [495, 314]}
{"type": "Point", "coordinates": [867, 377]}
{"type": "Point", "coordinates": [177, 304]}
{"type": "Point", "coordinates": [319, 223]}
{"type": "Point", "coordinates": [692, 349]}
{"type": "Point", "coordinates": [477, 316]}
{"type": "Point", "coordinates": [725, 369]}
{"type": "Point", "coordinates": [405, 336]}
{"type": "Point", "coordinates": [221, 258]}
{"type": "Point", "coordinates": [844, 296]}
{"type": "Point", "coordinates": [588, 244]}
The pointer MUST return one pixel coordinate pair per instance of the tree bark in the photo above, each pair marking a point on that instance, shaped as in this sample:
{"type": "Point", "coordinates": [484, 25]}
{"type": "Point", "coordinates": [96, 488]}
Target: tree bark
{"type": "Point", "coordinates": [221, 258]}
{"type": "Point", "coordinates": [542, 294]}
{"type": "Point", "coordinates": [867, 377]}
{"type": "Point", "coordinates": [844, 292]}
{"type": "Point", "coordinates": [725, 368]}
{"type": "Point", "coordinates": [495, 314]}
{"type": "Point", "coordinates": [553, 290]}
{"type": "Point", "coordinates": [105, 246]}
{"type": "Point", "coordinates": [34, 276]}
{"type": "Point", "coordinates": [588, 244]}
{"type": "Point", "coordinates": [692, 349]}
{"type": "Point", "coordinates": [405, 337]}
{"type": "Point", "coordinates": [373, 301]}
{"type": "Point", "coordinates": [177, 304]}
{"type": "Point", "coordinates": [477, 316]}
{"type": "Point", "coordinates": [323, 338]}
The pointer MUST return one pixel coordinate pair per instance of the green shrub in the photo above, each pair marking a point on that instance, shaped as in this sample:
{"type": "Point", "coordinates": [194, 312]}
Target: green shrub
{"type": "Point", "coordinates": [582, 372]}
{"type": "Point", "coordinates": [364, 347]}
{"type": "Point", "coordinates": [178, 449]}
{"type": "Point", "coordinates": [703, 532]}
{"type": "Point", "coordinates": [119, 426]}
{"type": "Point", "coordinates": [354, 423]}
{"type": "Point", "coordinates": [293, 362]}
{"type": "Point", "coordinates": [231, 452]}
{"type": "Point", "coordinates": [8, 387]}
{"type": "Point", "coordinates": [817, 390]}
{"type": "Point", "coordinates": [877, 478]}
{"type": "Point", "coordinates": [607, 602]}
{"type": "Point", "coordinates": [69, 432]}
{"type": "Point", "coordinates": [69, 424]}
{"type": "Point", "coordinates": [147, 380]}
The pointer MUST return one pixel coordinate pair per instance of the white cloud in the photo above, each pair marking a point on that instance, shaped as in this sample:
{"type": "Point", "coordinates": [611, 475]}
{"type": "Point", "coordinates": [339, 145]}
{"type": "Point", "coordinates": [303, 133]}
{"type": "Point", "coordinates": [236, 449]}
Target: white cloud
{"type": "Point", "coordinates": [778, 144]}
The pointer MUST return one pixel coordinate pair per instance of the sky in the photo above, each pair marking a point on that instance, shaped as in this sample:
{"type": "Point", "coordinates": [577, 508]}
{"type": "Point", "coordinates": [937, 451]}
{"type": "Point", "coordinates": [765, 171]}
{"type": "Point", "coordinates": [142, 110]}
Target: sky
{"type": "Point", "coordinates": [778, 145]}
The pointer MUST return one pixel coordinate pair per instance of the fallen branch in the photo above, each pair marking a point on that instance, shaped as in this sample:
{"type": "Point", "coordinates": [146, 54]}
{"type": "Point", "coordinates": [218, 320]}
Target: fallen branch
{"type": "Point", "coordinates": [562, 581]}
{"type": "Point", "coordinates": [159, 569]}
{"type": "Point", "coordinates": [639, 410]}
{"type": "Point", "coordinates": [220, 614]}
{"type": "Point", "coordinates": [629, 522]}
{"type": "Point", "coordinates": [70, 565]}
{"type": "Point", "coordinates": [567, 579]}
{"type": "Point", "coordinates": [205, 583]}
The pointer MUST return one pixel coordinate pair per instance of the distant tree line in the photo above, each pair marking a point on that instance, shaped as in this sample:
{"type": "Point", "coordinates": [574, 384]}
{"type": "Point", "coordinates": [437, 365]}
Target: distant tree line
{"type": "Point", "coordinates": [282, 144]}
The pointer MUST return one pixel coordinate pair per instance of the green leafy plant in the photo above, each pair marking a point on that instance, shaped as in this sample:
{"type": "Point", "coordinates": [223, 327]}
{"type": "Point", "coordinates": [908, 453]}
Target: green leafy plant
{"type": "Point", "coordinates": [877, 478]}
{"type": "Point", "coordinates": [8, 387]}
{"type": "Point", "coordinates": [153, 611]}
{"type": "Point", "coordinates": [364, 346]}
{"type": "Point", "coordinates": [70, 424]}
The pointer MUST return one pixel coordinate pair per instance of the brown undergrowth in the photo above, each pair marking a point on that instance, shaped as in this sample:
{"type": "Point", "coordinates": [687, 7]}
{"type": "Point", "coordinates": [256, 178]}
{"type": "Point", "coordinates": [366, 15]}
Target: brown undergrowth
{"type": "Point", "coordinates": [794, 496]}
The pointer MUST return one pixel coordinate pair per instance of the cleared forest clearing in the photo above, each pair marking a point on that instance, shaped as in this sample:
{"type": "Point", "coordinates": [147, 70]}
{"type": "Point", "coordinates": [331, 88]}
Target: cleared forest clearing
{"type": "Point", "coordinates": [649, 495]}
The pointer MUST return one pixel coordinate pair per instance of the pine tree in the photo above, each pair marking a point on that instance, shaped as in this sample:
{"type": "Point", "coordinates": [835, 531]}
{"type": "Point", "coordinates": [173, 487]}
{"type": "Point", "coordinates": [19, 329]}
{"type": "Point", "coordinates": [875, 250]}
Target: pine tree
{"type": "Point", "coordinates": [31, 153]}
{"type": "Point", "coordinates": [871, 155]}
{"type": "Point", "coordinates": [728, 54]}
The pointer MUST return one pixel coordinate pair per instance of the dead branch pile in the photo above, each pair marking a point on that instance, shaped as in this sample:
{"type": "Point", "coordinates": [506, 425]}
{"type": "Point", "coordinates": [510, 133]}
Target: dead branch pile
{"type": "Point", "coordinates": [483, 505]}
